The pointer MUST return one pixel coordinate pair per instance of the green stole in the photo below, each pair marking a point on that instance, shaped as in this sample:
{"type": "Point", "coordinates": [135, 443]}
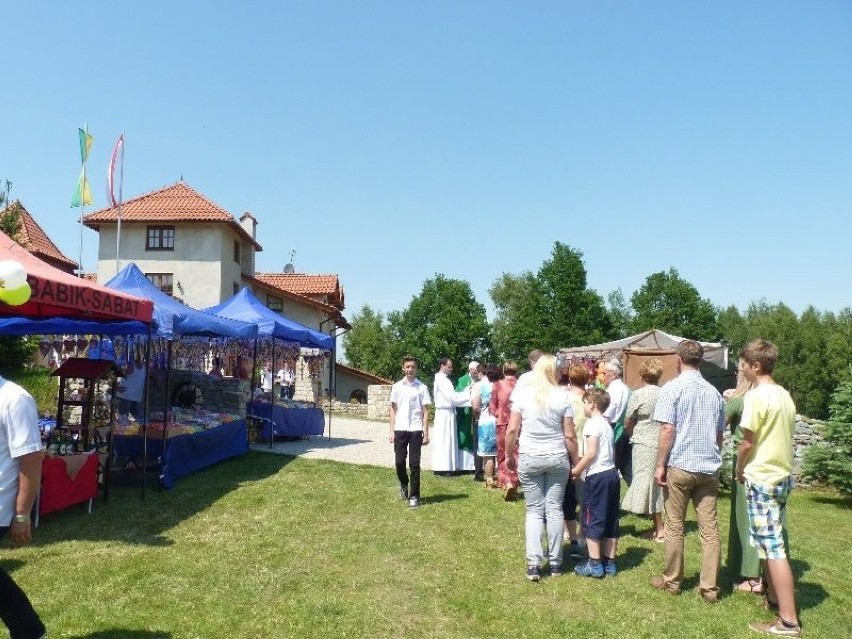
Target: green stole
{"type": "Point", "coordinates": [464, 417]}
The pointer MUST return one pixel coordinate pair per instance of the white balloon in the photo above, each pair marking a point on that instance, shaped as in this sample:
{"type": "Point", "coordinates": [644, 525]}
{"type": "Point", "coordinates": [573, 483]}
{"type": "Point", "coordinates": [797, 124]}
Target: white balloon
{"type": "Point", "coordinates": [12, 274]}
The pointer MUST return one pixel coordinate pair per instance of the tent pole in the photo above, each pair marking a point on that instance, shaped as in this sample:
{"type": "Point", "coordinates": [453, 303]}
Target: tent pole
{"type": "Point", "coordinates": [146, 399]}
{"type": "Point", "coordinates": [251, 389]}
{"type": "Point", "coordinates": [166, 402]}
{"type": "Point", "coordinates": [272, 412]}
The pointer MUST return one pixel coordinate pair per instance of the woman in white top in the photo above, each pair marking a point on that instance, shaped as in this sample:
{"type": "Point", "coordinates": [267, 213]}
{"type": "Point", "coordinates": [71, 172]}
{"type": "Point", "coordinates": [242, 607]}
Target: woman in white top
{"type": "Point", "coordinates": [542, 423]}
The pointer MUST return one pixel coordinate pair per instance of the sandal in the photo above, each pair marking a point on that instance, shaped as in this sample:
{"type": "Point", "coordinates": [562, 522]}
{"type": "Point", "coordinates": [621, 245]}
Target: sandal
{"type": "Point", "coordinates": [754, 586]}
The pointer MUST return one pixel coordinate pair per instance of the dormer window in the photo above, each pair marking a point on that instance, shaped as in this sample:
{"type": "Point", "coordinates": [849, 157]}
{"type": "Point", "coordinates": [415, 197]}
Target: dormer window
{"type": "Point", "coordinates": [160, 238]}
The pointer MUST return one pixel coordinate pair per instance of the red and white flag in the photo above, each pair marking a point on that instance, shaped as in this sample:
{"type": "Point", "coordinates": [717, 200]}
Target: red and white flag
{"type": "Point", "coordinates": [117, 151]}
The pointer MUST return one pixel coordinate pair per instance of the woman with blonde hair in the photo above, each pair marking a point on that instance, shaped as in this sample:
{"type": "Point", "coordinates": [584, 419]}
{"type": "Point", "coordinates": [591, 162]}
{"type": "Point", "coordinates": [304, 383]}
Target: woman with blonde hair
{"type": "Point", "coordinates": [743, 560]}
{"type": "Point", "coordinates": [542, 424]}
{"type": "Point", "coordinates": [644, 496]}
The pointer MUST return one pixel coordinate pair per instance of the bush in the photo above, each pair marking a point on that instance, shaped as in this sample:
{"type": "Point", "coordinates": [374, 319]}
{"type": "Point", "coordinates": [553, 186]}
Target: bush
{"type": "Point", "coordinates": [830, 462]}
{"type": "Point", "coordinates": [41, 386]}
{"type": "Point", "coordinates": [15, 352]}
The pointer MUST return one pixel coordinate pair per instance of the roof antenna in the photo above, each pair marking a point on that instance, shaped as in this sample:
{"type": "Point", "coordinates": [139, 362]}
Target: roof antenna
{"type": "Point", "coordinates": [289, 268]}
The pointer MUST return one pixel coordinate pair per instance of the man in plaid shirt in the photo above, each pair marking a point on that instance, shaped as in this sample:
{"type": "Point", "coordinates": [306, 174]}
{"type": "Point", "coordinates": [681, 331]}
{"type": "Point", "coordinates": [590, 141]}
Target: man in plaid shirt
{"type": "Point", "coordinates": [692, 417]}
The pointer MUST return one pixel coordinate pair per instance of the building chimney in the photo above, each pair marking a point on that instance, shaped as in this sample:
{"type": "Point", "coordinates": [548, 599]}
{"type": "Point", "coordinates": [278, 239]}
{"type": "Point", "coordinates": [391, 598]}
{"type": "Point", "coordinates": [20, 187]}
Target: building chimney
{"type": "Point", "coordinates": [249, 224]}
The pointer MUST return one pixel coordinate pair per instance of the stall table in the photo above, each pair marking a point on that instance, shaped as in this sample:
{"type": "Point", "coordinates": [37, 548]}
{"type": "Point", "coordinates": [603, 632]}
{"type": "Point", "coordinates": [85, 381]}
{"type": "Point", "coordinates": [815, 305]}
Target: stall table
{"type": "Point", "coordinates": [186, 454]}
{"type": "Point", "coordinates": [284, 421]}
{"type": "Point", "coordinates": [59, 490]}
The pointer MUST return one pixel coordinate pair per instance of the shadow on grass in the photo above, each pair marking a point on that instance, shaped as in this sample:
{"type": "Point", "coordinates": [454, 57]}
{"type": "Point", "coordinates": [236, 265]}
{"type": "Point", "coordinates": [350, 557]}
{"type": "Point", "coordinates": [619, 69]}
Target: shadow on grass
{"type": "Point", "coordinates": [124, 633]}
{"type": "Point", "coordinates": [437, 499]}
{"type": "Point", "coordinates": [11, 565]}
{"type": "Point", "coordinates": [128, 518]}
{"type": "Point", "coordinates": [632, 558]}
{"type": "Point", "coordinates": [839, 501]}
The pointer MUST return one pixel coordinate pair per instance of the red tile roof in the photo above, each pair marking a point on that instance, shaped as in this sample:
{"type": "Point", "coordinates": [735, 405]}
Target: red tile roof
{"type": "Point", "coordinates": [33, 238]}
{"type": "Point", "coordinates": [332, 311]}
{"type": "Point", "coordinates": [178, 203]}
{"type": "Point", "coordinates": [305, 284]}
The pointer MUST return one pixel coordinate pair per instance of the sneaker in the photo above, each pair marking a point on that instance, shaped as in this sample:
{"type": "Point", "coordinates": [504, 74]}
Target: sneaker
{"type": "Point", "coordinates": [776, 628]}
{"type": "Point", "coordinates": [414, 502]}
{"type": "Point", "coordinates": [555, 570]}
{"type": "Point", "coordinates": [403, 492]}
{"type": "Point", "coordinates": [574, 550]}
{"type": "Point", "coordinates": [589, 570]}
{"type": "Point", "coordinates": [660, 584]}
{"type": "Point", "coordinates": [709, 596]}
{"type": "Point", "coordinates": [533, 573]}
{"type": "Point", "coordinates": [609, 568]}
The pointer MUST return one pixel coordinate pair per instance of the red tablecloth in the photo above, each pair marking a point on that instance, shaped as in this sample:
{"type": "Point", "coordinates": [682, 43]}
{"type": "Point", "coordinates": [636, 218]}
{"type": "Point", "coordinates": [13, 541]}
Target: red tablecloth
{"type": "Point", "coordinates": [60, 491]}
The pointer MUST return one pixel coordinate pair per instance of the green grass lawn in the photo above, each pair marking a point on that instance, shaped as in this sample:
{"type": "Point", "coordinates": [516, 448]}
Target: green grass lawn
{"type": "Point", "coordinates": [271, 546]}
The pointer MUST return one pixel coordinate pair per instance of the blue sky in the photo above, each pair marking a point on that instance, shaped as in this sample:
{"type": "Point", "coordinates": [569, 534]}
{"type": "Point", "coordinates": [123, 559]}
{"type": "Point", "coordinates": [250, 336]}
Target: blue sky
{"type": "Point", "coordinates": [389, 141]}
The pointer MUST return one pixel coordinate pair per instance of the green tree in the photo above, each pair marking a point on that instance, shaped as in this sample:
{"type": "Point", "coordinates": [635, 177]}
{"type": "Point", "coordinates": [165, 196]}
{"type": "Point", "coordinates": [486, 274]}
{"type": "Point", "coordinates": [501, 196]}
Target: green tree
{"type": "Point", "coordinates": [10, 216]}
{"type": "Point", "coordinates": [549, 310]}
{"type": "Point", "coordinates": [368, 344]}
{"type": "Point", "coordinates": [443, 320]}
{"type": "Point", "coordinates": [668, 302]}
{"type": "Point", "coordinates": [515, 300]}
{"type": "Point", "coordinates": [619, 313]}
{"type": "Point", "coordinates": [15, 352]}
{"type": "Point", "coordinates": [831, 461]}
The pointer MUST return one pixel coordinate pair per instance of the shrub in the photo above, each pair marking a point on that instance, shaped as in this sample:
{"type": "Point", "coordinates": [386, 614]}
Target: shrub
{"type": "Point", "coordinates": [41, 386]}
{"type": "Point", "coordinates": [830, 462]}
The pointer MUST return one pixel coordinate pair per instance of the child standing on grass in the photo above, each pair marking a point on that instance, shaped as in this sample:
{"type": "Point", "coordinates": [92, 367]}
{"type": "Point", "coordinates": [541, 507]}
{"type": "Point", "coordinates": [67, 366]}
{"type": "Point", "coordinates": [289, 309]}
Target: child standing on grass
{"type": "Point", "coordinates": [765, 467]}
{"type": "Point", "coordinates": [601, 494]}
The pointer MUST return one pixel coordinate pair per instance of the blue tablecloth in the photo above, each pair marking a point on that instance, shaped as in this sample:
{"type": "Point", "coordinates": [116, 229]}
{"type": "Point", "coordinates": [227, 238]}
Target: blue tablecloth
{"type": "Point", "coordinates": [186, 454]}
{"type": "Point", "coordinates": [289, 422]}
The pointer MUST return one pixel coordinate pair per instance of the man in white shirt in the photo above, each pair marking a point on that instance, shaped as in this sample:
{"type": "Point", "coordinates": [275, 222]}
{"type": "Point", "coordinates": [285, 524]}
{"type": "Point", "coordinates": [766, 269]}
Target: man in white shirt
{"type": "Point", "coordinates": [409, 428]}
{"type": "Point", "coordinates": [266, 378]}
{"type": "Point", "coordinates": [447, 457]}
{"type": "Point", "coordinates": [619, 394]}
{"type": "Point", "coordinates": [285, 380]}
{"type": "Point", "coordinates": [21, 453]}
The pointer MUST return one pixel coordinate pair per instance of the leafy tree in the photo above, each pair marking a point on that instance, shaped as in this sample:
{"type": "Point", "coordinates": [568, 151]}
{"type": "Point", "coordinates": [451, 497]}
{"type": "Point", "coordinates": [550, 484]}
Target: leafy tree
{"type": "Point", "coordinates": [515, 299]}
{"type": "Point", "coordinates": [620, 313]}
{"type": "Point", "coordinates": [668, 302]}
{"type": "Point", "coordinates": [368, 344]}
{"type": "Point", "coordinates": [10, 217]}
{"type": "Point", "coordinates": [831, 461]}
{"type": "Point", "coordinates": [14, 351]}
{"type": "Point", "coordinates": [443, 320]}
{"type": "Point", "coordinates": [549, 310]}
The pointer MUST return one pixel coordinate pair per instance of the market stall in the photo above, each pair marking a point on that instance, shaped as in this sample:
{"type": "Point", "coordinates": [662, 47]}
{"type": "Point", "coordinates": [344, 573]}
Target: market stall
{"type": "Point", "coordinates": [182, 441]}
{"type": "Point", "coordinates": [279, 419]}
{"type": "Point", "coordinates": [49, 301]}
{"type": "Point", "coordinates": [632, 351]}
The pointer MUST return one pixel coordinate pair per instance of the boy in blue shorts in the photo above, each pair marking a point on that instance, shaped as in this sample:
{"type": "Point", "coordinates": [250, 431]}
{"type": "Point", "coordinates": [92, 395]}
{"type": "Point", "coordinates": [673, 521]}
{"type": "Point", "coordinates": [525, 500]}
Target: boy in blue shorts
{"type": "Point", "coordinates": [601, 496]}
{"type": "Point", "coordinates": [765, 467]}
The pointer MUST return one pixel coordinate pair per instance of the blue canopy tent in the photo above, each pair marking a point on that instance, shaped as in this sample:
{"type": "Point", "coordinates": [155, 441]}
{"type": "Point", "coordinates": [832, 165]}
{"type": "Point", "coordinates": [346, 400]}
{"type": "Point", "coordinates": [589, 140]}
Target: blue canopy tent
{"type": "Point", "coordinates": [246, 307]}
{"type": "Point", "coordinates": [175, 319]}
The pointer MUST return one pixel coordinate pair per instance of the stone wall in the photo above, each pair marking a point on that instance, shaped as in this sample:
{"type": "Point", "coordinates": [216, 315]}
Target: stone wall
{"type": "Point", "coordinates": [378, 402]}
{"type": "Point", "coordinates": [345, 409]}
{"type": "Point", "coordinates": [219, 394]}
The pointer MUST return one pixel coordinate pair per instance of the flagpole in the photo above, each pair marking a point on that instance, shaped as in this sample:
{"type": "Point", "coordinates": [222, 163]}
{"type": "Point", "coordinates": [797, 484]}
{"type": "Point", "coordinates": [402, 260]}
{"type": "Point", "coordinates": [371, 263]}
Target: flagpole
{"type": "Point", "coordinates": [120, 200]}
{"type": "Point", "coordinates": [82, 208]}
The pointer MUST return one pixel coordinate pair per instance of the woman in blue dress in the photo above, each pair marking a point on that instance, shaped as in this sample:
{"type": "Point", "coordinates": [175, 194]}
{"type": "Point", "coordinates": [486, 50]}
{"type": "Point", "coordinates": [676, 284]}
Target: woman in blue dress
{"type": "Point", "coordinates": [487, 425]}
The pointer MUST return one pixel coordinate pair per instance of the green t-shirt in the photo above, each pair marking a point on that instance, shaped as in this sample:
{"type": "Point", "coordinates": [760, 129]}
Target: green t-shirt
{"type": "Point", "coordinates": [769, 412]}
{"type": "Point", "coordinates": [733, 414]}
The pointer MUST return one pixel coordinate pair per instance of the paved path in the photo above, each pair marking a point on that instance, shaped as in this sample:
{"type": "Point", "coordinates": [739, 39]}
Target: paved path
{"type": "Point", "coordinates": [353, 441]}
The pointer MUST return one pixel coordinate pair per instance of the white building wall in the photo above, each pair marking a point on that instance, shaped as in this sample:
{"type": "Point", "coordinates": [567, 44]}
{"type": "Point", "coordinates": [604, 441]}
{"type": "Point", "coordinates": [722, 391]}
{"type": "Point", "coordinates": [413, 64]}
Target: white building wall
{"type": "Point", "coordinates": [196, 262]}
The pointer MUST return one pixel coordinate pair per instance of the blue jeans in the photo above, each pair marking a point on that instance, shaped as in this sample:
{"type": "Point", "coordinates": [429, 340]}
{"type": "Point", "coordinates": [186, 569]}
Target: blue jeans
{"type": "Point", "coordinates": [543, 478]}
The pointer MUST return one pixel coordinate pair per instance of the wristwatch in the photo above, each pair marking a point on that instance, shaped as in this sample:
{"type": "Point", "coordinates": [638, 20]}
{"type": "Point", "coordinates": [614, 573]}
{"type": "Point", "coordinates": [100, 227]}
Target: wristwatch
{"type": "Point", "coordinates": [22, 519]}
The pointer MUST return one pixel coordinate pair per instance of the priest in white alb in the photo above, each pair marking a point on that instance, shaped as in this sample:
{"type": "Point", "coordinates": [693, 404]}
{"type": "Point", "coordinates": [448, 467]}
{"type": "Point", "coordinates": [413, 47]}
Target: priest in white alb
{"type": "Point", "coordinates": [447, 457]}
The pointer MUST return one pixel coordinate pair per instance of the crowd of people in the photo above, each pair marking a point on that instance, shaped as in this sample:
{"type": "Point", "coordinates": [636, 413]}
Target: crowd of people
{"type": "Point", "coordinates": [568, 443]}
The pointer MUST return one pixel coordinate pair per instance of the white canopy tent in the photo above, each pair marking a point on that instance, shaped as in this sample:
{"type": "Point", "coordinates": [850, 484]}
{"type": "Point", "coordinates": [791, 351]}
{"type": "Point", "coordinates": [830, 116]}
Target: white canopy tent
{"type": "Point", "coordinates": [714, 352]}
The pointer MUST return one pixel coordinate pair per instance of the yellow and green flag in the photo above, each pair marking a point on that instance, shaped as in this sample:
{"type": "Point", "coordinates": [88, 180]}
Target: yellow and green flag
{"type": "Point", "coordinates": [82, 195]}
{"type": "Point", "coordinates": [85, 144]}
